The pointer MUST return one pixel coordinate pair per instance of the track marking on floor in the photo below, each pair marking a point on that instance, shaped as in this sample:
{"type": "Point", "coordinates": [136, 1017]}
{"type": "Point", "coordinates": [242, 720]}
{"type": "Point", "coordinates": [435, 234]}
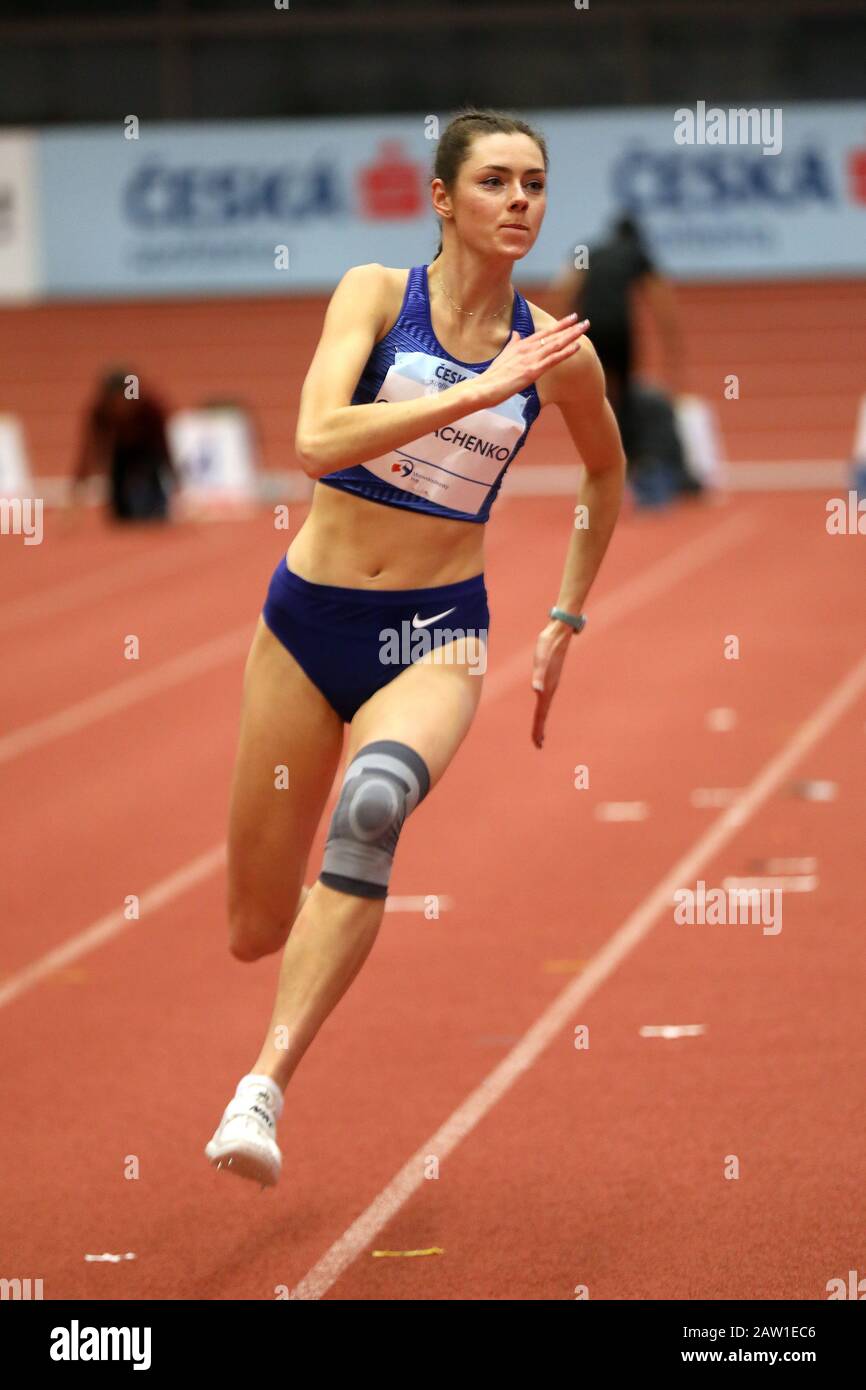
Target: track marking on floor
{"type": "Point", "coordinates": [127, 692]}
{"type": "Point", "coordinates": [721, 721]}
{"type": "Point", "coordinates": [208, 655]}
{"type": "Point", "coordinates": [621, 810]}
{"type": "Point", "coordinates": [325, 1273]}
{"type": "Point", "coordinates": [662, 575]}
{"type": "Point", "coordinates": [619, 603]}
{"type": "Point", "coordinates": [113, 923]}
{"type": "Point", "coordinates": [815, 791]}
{"type": "Point", "coordinates": [383, 1254]}
{"type": "Point", "coordinates": [785, 883]}
{"type": "Point", "coordinates": [124, 574]}
{"type": "Point", "coordinates": [671, 1030]}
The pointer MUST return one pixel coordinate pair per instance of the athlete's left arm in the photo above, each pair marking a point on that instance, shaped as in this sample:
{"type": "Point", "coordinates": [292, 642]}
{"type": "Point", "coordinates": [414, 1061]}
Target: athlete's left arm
{"type": "Point", "coordinates": [578, 390]}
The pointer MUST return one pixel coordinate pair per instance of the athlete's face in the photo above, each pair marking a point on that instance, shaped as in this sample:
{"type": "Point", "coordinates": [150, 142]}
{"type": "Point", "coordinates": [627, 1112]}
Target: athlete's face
{"type": "Point", "coordinates": [501, 194]}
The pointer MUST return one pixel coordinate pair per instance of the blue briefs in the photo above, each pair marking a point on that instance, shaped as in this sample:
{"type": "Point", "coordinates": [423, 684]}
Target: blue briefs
{"type": "Point", "coordinates": [351, 642]}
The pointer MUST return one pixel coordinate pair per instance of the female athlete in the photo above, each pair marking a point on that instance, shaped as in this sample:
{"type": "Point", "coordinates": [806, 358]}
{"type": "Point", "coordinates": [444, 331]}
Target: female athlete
{"type": "Point", "coordinates": [393, 545]}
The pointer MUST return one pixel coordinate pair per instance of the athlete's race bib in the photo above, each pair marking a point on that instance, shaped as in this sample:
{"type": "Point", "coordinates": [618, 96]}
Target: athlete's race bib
{"type": "Point", "coordinates": [457, 464]}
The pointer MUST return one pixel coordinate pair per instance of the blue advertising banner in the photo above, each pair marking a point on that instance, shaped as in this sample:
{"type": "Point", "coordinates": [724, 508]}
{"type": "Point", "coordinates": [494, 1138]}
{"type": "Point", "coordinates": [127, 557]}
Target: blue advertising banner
{"type": "Point", "coordinates": [270, 206]}
{"type": "Point", "coordinates": [283, 206]}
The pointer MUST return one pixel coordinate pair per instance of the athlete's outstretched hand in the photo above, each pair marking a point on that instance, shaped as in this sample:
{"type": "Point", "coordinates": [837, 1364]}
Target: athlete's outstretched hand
{"type": "Point", "coordinates": [547, 664]}
{"type": "Point", "coordinates": [524, 360]}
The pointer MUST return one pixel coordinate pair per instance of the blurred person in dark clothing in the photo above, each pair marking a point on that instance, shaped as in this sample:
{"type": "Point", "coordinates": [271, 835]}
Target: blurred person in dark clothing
{"type": "Point", "coordinates": [619, 268]}
{"type": "Point", "coordinates": [603, 293]}
{"type": "Point", "coordinates": [125, 439]}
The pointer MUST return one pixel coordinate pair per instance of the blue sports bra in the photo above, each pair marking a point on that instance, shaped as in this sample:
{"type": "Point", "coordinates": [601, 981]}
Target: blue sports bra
{"type": "Point", "coordinates": [455, 471]}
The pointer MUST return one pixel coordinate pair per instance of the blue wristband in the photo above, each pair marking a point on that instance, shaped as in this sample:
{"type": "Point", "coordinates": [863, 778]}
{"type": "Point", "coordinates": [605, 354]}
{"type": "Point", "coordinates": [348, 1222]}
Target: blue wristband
{"type": "Point", "coordinates": [578, 623]}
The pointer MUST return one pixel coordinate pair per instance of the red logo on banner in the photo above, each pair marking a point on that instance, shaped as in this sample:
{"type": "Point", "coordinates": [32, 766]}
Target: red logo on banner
{"type": "Point", "coordinates": [857, 175]}
{"type": "Point", "coordinates": [391, 185]}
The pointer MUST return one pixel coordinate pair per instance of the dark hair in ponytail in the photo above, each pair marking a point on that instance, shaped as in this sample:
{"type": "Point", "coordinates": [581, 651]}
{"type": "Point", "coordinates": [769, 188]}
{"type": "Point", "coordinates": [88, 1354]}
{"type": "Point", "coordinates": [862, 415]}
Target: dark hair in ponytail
{"type": "Point", "coordinates": [456, 140]}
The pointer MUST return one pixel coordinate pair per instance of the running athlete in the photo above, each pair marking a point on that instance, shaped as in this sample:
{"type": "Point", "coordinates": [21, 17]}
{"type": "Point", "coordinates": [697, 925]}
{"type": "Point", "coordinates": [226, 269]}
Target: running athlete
{"type": "Point", "coordinates": [393, 544]}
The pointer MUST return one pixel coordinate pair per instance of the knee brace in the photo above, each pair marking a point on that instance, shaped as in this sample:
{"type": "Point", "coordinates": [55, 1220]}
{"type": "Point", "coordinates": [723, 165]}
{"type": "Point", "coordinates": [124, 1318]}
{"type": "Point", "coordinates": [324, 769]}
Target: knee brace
{"type": "Point", "coordinates": [383, 783]}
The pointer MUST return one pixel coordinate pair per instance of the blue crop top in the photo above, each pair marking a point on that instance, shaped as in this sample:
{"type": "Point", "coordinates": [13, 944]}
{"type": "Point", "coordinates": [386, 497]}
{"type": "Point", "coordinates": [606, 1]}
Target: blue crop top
{"type": "Point", "coordinates": [456, 470]}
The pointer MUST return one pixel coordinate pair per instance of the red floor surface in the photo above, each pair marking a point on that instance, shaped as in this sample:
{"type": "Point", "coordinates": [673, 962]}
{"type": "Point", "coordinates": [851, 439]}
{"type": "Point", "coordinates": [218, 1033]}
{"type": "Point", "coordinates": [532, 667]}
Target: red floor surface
{"type": "Point", "coordinates": [601, 1167]}
{"type": "Point", "coordinates": [797, 349]}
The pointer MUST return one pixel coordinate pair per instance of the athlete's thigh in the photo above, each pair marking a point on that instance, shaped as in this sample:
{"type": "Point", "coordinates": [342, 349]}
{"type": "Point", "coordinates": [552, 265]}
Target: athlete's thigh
{"type": "Point", "coordinates": [430, 706]}
{"type": "Point", "coordinates": [288, 751]}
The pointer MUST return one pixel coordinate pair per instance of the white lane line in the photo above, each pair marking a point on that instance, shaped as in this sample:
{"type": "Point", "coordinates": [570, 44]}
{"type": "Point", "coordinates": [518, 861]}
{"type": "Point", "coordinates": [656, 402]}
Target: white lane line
{"type": "Point", "coordinates": [210, 654]}
{"type": "Point", "coordinates": [721, 721]}
{"type": "Point", "coordinates": [663, 575]}
{"type": "Point", "coordinates": [113, 923]}
{"type": "Point", "coordinates": [815, 791]}
{"type": "Point", "coordinates": [126, 692]}
{"type": "Point", "coordinates": [324, 1274]}
{"type": "Point", "coordinates": [621, 810]}
{"type": "Point", "coordinates": [125, 574]}
{"type": "Point", "coordinates": [785, 883]}
{"type": "Point", "coordinates": [671, 1030]}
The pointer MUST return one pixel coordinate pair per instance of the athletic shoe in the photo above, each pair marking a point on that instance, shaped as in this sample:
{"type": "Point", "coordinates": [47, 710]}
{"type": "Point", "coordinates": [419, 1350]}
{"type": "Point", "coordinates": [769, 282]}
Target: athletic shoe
{"type": "Point", "coordinates": [245, 1139]}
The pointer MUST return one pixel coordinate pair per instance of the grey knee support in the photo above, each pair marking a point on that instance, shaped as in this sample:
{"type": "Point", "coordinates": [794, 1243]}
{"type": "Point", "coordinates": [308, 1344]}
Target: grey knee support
{"type": "Point", "coordinates": [383, 783]}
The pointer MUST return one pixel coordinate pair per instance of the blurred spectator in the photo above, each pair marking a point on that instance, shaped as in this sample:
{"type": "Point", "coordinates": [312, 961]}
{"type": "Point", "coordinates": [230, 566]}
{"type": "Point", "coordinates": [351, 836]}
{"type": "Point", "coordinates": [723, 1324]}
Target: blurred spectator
{"type": "Point", "coordinates": [125, 439]}
{"type": "Point", "coordinates": [604, 292]}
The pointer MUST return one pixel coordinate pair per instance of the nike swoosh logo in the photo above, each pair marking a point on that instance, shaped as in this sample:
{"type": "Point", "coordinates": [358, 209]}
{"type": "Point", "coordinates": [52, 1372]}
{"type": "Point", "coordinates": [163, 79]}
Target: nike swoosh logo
{"type": "Point", "coordinates": [418, 622]}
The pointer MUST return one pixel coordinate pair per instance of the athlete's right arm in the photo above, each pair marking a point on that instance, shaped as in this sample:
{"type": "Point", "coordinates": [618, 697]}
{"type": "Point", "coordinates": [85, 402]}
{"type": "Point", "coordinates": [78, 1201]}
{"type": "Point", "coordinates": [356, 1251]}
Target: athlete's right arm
{"type": "Point", "coordinates": [331, 433]}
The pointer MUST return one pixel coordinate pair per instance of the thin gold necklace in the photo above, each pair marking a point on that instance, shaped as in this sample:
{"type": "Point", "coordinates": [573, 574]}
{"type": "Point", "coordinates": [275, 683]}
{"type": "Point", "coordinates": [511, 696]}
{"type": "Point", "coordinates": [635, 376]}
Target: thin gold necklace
{"type": "Point", "coordinates": [472, 312]}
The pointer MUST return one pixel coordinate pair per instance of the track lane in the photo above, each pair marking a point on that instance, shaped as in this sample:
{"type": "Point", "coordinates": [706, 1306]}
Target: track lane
{"type": "Point", "coordinates": [380, 1040]}
{"type": "Point", "coordinates": [605, 1167]}
{"type": "Point", "coordinates": [129, 786]}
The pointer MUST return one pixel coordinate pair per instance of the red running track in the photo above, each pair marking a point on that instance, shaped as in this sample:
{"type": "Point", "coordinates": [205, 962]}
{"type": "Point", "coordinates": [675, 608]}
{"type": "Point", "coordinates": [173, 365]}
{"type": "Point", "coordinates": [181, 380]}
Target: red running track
{"type": "Point", "coordinates": [602, 1167]}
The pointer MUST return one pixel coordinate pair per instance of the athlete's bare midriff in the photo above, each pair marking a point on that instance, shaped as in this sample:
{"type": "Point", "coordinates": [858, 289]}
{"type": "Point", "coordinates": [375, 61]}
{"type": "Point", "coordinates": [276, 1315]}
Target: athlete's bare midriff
{"type": "Point", "coordinates": [357, 544]}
